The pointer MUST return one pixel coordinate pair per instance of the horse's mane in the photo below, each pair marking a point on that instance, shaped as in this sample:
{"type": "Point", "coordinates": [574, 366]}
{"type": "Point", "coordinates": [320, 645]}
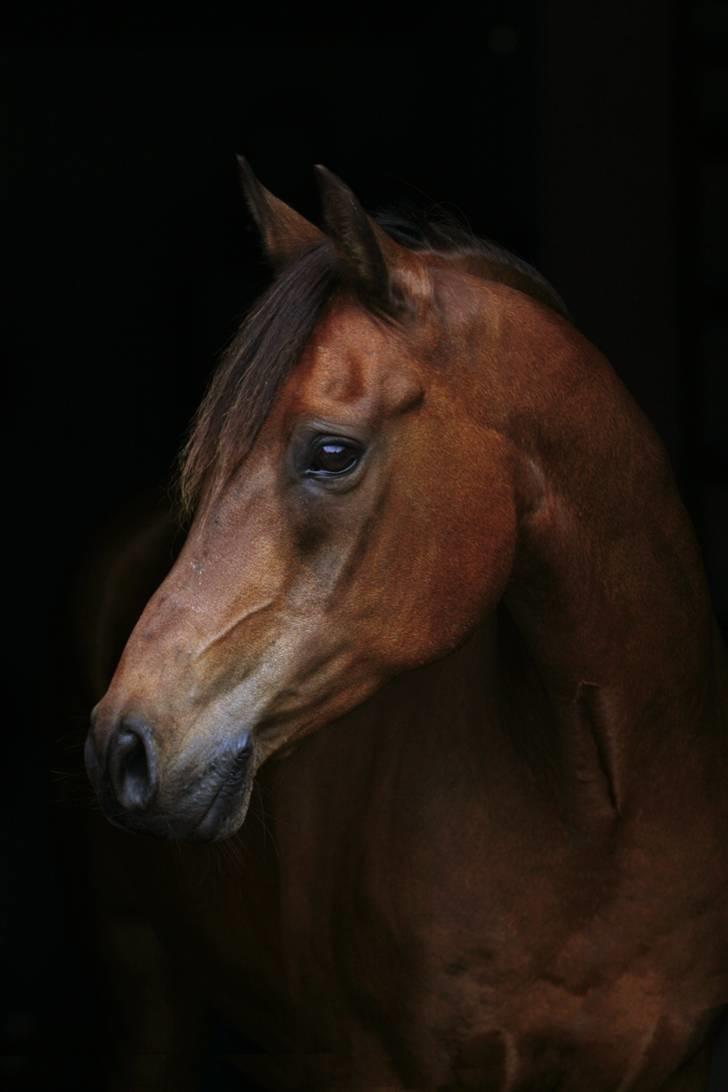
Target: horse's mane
{"type": "Point", "coordinates": [275, 332]}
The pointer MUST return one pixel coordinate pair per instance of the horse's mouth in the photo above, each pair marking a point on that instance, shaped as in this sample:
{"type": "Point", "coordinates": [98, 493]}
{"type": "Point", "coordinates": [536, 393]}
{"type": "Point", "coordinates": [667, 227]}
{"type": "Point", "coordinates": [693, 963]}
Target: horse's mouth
{"type": "Point", "coordinates": [195, 806]}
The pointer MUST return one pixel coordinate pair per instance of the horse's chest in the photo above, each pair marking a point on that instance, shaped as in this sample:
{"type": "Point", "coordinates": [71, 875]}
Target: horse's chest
{"type": "Point", "coordinates": [403, 951]}
{"type": "Point", "coordinates": [395, 987]}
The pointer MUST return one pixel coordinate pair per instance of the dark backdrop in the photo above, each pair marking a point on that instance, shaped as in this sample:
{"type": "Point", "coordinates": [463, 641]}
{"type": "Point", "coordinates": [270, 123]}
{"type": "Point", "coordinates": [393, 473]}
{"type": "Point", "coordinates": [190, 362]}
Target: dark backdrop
{"type": "Point", "coordinates": [591, 139]}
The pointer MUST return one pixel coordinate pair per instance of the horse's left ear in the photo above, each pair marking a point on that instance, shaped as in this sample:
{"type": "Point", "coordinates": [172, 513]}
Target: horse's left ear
{"type": "Point", "coordinates": [284, 232]}
{"type": "Point", "coordinates": [368, 254]}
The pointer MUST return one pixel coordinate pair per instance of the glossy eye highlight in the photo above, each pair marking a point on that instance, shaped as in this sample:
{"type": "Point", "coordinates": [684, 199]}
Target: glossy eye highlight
{"type": "Point", "coordinates": [332, 457]}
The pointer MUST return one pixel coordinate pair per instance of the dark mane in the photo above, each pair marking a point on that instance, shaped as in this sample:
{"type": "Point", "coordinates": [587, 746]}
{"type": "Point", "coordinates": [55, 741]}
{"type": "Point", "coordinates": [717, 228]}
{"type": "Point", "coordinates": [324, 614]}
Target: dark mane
{"type": "Point", "coordinates": [260, 356]}
{"type": "Point", "coordinates": [445, 235]}
{"type": "Point", "coordinates": [274, 334]}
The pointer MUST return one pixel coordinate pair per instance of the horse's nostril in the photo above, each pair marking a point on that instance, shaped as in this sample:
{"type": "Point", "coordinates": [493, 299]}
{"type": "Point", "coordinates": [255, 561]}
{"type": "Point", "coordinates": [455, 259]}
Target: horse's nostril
{"type": "Point", "coordinates": [132, 766]}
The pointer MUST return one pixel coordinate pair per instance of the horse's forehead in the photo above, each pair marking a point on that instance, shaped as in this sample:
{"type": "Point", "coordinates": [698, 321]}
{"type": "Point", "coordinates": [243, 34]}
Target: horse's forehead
{"type": "Point", "coordinates": [352, 359]}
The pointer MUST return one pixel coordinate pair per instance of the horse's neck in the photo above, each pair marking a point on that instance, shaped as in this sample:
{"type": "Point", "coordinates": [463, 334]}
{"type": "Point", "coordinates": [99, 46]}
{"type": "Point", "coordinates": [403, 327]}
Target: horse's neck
{"type": "Point", "coordinates": [607, 589]}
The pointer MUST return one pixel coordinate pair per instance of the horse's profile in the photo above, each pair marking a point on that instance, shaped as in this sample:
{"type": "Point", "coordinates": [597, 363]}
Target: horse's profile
{"type": "Point", "coordinates": [440, 614]}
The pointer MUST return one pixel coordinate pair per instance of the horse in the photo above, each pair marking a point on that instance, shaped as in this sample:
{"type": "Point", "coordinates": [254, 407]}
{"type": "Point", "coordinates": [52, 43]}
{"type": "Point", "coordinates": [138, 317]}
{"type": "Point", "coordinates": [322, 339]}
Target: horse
{"type": "Point", "coordinates": [440, 623]}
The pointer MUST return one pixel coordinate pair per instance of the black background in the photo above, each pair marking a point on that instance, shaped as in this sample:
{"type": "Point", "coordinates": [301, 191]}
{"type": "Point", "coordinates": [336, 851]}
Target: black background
{"type": "Point", "coordinates": [591, 139]}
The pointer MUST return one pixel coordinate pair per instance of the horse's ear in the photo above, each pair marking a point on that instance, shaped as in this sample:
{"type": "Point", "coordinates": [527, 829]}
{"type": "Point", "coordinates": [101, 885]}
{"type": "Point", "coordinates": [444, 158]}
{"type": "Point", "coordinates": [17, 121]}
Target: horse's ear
{"type": "Point", "coordinates": [368, 254]}
{"type": "Point", "coordinates": [284, 232]}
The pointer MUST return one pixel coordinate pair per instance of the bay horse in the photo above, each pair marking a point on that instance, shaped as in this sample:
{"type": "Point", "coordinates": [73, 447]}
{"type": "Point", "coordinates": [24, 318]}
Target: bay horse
{"type": "Point", "coordinates": [441, 615]}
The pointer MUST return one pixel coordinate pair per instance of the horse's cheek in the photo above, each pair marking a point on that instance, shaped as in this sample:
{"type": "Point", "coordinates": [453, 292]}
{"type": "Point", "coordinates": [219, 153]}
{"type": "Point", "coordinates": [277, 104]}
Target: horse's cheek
{"type": "Point", "coordinates": [482, 531]}
{"type": "Point", "coordinates": [441, 597]}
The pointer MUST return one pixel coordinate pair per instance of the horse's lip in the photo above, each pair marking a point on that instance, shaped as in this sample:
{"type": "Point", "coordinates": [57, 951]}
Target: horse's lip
{"type": "Point", "coordinates": [207, 827]}
{"type": "Point", "coordinates": [223, 800]}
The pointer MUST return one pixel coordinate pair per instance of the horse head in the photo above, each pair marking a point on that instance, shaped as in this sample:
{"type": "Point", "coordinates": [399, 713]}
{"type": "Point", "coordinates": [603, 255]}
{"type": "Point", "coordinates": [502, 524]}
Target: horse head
{"type": "Point", "coordinates": [341, 469]}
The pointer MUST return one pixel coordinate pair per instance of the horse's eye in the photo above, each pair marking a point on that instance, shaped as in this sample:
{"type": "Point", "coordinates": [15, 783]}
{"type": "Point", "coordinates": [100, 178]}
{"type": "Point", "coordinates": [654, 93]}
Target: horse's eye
{"type": "Point", "coordinates": [331, 457]}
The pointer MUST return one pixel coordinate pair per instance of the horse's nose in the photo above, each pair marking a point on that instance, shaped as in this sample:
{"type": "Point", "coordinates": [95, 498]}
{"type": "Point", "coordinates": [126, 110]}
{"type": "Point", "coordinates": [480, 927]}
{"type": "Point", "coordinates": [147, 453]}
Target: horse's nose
{"type": "Point", "coordinates": [129, 765]}
{"type": "Point", "coordinates": [132, 765]}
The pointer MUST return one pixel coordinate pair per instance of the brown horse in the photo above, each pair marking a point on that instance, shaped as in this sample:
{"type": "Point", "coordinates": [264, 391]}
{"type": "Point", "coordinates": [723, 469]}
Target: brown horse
{"type": "Point", "coordinates": [440, 613]}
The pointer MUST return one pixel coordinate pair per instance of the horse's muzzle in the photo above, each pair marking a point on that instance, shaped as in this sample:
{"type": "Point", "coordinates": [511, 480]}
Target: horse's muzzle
{"type": "Point", "coordinates": [193, 803]}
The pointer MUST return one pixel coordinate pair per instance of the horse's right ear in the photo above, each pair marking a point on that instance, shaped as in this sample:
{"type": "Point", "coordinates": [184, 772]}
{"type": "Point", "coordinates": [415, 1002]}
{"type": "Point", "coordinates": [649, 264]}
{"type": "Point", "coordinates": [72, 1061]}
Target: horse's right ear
{"type": "Point", "coordinates": [371, 260]}
{"type": "Point", "coordinates": [284, 232]}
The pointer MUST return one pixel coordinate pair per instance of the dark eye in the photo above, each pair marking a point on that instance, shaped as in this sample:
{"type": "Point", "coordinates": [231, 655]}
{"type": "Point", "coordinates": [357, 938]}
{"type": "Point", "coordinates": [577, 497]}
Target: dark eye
{"type": "Point", "coordinates": [331, 457]}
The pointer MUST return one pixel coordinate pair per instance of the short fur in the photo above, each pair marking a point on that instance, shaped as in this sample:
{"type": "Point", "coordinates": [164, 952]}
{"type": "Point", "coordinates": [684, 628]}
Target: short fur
{"type": "Point", "coordinates": [273, 336]}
